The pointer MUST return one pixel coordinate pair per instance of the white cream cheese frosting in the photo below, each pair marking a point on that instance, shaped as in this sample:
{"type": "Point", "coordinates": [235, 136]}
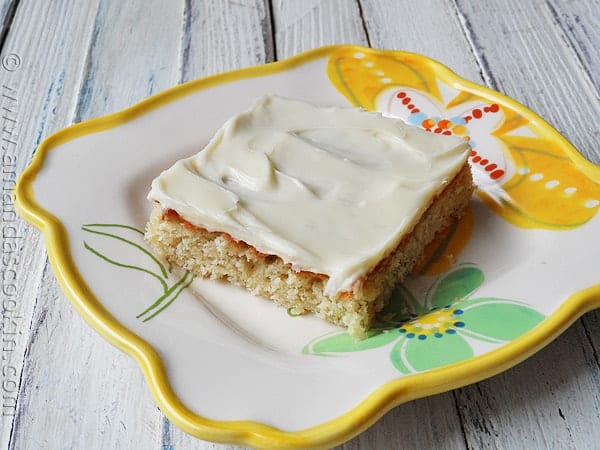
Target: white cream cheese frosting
{"type": "Point", "coordinates": [329, 190]}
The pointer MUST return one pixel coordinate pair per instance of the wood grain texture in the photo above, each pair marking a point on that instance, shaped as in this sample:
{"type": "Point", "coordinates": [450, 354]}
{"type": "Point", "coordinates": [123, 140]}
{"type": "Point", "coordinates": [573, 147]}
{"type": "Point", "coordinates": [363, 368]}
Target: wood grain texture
{"type": "Point", "coordinates": [133, 54]}
{"type": "Point", "coordinates": [37, 98]}
{"type": "Point", "coordinates": [300, 26]}
{"type": "Point", "coordinates": [580, 22]}
{"type": "Point", "coordinates": [433, 29]}
{"type": "Point", "coordinates": [220, 36]}
{"type": "Point", "coordinates": [541, 70]}
{"type": "Point", "coordinates": [534, 65]}
{"type": "Point", "coordinates": [591, 328]}
{"type": "Point", "coordinates": [549, 401]}
{"type": "Point", "coordinates": [429, 423]}
{"type": "Point", "coordinates": [98, 395]}
{"type": "Point", "coordinates": [80, 391]}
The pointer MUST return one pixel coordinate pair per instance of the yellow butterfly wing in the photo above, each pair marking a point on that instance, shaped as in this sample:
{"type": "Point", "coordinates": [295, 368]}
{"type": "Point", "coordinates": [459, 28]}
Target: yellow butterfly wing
{"type": "Point", "coordinates": [547, 190]}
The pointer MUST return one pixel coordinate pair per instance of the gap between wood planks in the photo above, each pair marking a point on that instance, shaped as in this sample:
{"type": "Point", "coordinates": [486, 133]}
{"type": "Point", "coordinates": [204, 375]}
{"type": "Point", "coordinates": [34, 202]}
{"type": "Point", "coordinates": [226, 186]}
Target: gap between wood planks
{"type": "Point", "coordinates": [480, 59]}
{"type": "Point", "coordinates": [84, 91]}
{"type": "Point", "coordinates": [364, 23]}
{"type": "Point", "coordinates": [269, 35]}
{"type": "Point", "coordinates": [11, 10]}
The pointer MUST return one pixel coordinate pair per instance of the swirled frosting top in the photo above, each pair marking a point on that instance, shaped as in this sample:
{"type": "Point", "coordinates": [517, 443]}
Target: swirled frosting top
{"type": "Point", "coordinates": [329, 190]}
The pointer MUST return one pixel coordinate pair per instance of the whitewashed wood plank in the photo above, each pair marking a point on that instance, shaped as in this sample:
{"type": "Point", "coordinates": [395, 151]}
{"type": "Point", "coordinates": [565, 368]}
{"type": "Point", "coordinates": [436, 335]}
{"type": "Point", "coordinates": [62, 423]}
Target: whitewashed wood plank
{"type": "Point", "coordinates": [79, 392]}
{"type": "Point", "coordinates": [534, 65]}
{"type": "Point", "coordinates": [18, 305]}
{"type": "Point", "coordinates": [580, 21]}
{"type": "Point", "coordinates": [549, 401]}
{"type": "Point", "coordinates": [36, 98]}
{"type": "Point", "coordinates": [134, 54]}
{"type": "Point", "coordinates": [301, 26]}
{"type": "Point", "coordinates": [220, 36]}
{"type": "Point", "coordinates": [429, 423]}
{"type": "Point", "coordinates": [174, 438]}
{"type": "Point", "coordinates": [431, 28]}
{"type": "Point", "coordinates": [105, 403]}
{"type": "Point", "coordinates": [591, 326]}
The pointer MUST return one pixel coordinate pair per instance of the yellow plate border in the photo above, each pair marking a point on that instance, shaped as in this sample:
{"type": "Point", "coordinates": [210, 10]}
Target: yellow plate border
{"type": "Point", "coordinates": [377, 403]}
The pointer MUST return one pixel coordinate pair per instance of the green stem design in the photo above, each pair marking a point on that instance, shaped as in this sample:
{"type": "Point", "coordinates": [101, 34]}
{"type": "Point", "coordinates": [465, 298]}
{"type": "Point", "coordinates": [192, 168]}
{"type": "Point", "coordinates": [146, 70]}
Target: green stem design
{"type": "Point", "coordinates": [169, 294]}
{"type": "Point", "coordinates": [127, 241]}
{"type": "Point", "coordinates": [518, 210]}
{"type": "Point", "coordinates": [174, 297]}
{"type": "Point", "coordinates": [126, 266]}
{"type": "Point", "coordinates": [112, 225]}
{"type": "Point", "coordinates": [338, 72]}
{"type": "Point", "coordinates": [522, 149]}
{"type": "Point", "coordinates": [166, 293]}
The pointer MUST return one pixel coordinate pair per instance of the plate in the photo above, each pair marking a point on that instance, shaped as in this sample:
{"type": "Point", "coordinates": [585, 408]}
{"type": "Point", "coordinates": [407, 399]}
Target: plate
{"type": "Point", "coordinates": [228, 367]}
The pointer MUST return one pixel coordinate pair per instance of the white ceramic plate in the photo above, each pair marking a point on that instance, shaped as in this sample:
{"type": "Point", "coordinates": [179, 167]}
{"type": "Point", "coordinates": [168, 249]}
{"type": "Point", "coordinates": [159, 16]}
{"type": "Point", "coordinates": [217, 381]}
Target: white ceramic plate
{"type": "Point", "coordinates": [230, 367]}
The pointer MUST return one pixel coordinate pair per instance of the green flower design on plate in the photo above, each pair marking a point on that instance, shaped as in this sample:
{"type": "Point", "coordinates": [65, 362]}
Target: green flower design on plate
{"type": "Point", "coordinates": [439, 331]}
{"type": "Point", "coordinates": [131, 243]}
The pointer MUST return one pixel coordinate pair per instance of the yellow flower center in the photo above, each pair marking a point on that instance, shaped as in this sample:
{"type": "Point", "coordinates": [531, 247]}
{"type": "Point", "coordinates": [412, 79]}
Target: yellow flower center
{"type": "Point", "coordinates": [435, 323]}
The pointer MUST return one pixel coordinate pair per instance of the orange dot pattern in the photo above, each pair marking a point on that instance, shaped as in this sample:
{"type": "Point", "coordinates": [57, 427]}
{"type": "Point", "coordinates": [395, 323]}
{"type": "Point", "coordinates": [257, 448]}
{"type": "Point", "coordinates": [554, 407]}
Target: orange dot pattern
{"type": "Point", "coordinates": [407, 101]}
{"type": "Point", "coordinates": [448, 128]}
{"type": "Point", "coordinates": [490, 167]}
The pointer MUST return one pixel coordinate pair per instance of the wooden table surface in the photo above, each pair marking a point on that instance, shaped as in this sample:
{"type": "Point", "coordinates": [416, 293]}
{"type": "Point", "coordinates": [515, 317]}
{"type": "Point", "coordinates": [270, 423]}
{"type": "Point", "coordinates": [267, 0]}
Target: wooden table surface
{"type": "Point", "coordinates": [63, 61]}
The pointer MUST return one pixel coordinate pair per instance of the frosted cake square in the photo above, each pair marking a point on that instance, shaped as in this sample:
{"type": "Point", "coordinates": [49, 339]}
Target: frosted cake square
{"type": "Point", "coordinates": [320, 209]}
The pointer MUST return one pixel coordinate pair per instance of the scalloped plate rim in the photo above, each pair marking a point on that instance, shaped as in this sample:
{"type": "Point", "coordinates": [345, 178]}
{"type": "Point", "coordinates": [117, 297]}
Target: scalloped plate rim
{"type": "Point", "coordinates": [253, 433]}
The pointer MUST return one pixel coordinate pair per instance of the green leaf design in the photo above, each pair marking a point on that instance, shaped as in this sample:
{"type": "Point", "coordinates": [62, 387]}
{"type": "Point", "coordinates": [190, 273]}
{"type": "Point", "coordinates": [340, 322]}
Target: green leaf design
{"type": "Point", "coordinates": [416, 355]}
{"type": "Point", "coordinates": [91, 228]}
{"type": "Point", "coordinates": [456, 285]}
{"type": "Point", "coordinates": [169, 293]}
{"type": "Point", "coordinates": [499, 318]}
{"type": "Point", "coordinates": [126, 266]}
{"type": "Point", "coordinates": [342, 342]}
{"type": "Point", "coordinates": [439, 336]}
